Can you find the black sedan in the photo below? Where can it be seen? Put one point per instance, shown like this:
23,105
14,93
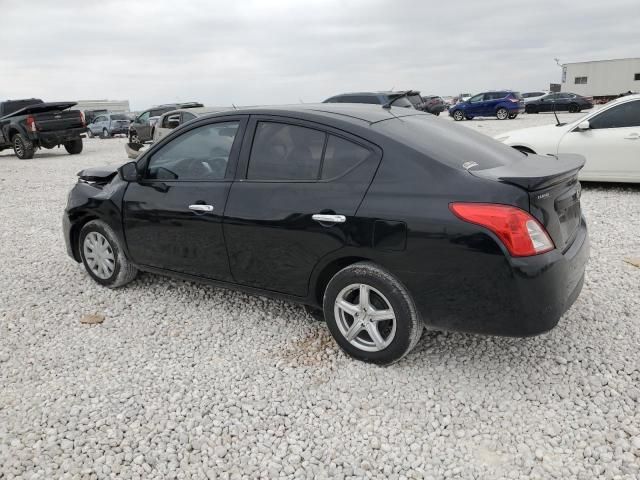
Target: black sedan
565,101
384,219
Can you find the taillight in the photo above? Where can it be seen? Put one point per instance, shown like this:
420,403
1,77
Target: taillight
84,123
31,124
514,100
518,230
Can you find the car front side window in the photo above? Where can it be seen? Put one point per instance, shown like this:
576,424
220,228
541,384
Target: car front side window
198,154
620,116
144,118
476,98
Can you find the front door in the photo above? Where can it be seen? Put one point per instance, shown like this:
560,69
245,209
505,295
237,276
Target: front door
611,146
299,188
475,106
173,216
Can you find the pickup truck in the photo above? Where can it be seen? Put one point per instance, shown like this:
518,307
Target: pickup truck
26,125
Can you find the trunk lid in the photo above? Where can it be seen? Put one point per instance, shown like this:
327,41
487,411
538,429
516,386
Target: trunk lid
54,120
553,188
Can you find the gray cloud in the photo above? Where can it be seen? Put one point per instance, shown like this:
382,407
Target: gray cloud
280,51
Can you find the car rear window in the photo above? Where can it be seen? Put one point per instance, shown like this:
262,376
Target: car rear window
400,101
119,117
341,156
15,105
415,100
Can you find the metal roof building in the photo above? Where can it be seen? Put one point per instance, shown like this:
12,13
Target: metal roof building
601,78
118,106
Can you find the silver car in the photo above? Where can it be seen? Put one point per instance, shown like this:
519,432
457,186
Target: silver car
108,124
170,120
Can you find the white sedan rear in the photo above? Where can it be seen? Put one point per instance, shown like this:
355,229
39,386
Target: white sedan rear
609,138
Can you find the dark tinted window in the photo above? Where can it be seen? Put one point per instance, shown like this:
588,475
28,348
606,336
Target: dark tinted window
636,76
372,99
477,98
15,105
625,115
199,154
340,156
400,102
118,116
285,152
415,100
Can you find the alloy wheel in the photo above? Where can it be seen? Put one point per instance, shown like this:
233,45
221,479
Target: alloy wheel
18,147
502,113
365,317
99,255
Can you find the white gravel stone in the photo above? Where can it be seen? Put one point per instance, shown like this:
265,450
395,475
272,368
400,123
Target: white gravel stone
192,381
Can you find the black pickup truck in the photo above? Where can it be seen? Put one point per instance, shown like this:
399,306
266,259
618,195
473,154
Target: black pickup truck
26,125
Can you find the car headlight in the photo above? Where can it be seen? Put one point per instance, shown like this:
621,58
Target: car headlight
502,139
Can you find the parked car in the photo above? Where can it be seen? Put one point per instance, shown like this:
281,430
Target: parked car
434,104
396,99
563,101
502,104
141,129
29,124
174,118
108,125
90,115
383,219
608,138
416,99
531,96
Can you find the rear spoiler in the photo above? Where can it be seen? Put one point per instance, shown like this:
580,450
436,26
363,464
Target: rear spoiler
534,172
41,107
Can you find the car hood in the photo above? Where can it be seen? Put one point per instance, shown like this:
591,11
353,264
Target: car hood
94,174
544,131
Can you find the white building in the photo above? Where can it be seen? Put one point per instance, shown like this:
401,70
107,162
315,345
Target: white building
117,106
601,78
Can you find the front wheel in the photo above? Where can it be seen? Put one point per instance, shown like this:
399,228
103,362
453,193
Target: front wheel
371,314
133,138
102,256
105,133
531,109
502,113
73,147
573,108
458,115
89,133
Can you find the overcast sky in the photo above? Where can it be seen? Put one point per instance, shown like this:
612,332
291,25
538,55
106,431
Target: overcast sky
286,51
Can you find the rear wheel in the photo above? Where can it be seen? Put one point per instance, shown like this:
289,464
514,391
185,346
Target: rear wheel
502,113
73,147
102,255
573,108
371,314
105,133
458,115
89,133
23,147
437,114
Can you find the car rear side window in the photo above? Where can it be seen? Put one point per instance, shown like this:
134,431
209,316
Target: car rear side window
620,116
341,156
285,152
198,154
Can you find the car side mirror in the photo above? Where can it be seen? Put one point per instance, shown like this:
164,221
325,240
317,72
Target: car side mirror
129,172
585,125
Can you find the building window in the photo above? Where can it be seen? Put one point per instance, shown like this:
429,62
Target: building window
636,76
581,81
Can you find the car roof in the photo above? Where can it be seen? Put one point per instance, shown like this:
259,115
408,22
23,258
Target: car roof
382,92
355,113
198,112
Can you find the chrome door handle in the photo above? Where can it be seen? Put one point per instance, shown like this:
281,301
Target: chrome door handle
326,218
201,208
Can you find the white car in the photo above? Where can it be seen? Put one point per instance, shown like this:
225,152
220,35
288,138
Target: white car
531,96
609,138
174,118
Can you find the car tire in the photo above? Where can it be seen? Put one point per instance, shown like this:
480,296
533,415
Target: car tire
502,113
73,147
133,138
457,115
531,109
348,314
437,114
108,266
512,116
573,108
105,133
89,133
23,147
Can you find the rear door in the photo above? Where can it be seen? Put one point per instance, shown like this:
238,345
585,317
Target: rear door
173,217
298,188
611,146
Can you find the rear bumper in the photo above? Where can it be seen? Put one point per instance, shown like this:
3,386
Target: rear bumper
57,137
516,297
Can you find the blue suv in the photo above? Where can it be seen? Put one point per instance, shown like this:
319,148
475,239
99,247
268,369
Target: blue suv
501,104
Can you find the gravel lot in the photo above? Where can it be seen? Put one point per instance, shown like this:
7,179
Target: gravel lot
189,381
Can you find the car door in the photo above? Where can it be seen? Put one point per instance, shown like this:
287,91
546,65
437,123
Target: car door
96,126
173,216
611,145
299,187
545,104
475,105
